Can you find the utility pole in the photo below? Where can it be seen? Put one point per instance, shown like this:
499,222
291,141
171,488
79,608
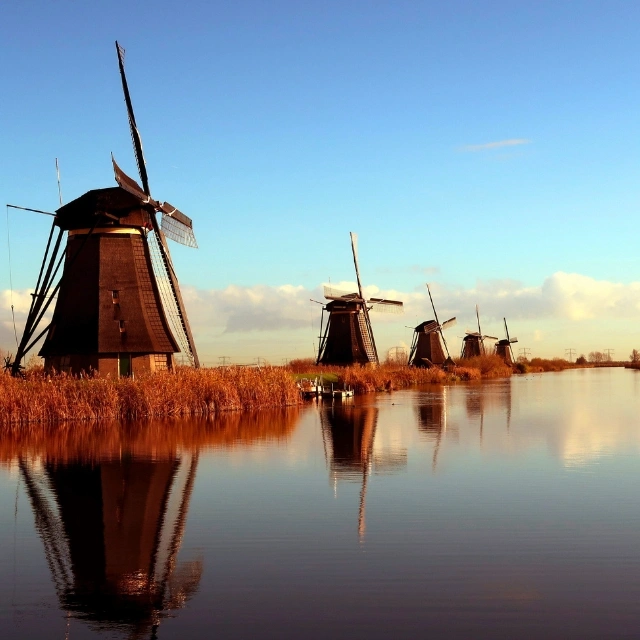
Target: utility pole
570,353
609,352
260,361
524,352
224,360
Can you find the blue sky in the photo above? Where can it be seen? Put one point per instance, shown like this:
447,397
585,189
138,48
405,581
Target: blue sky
476,145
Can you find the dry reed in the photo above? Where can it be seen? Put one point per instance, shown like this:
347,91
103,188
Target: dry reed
489,365
385,377
187,392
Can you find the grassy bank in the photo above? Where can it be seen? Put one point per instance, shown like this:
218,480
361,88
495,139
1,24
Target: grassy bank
204,392
187,392
386,377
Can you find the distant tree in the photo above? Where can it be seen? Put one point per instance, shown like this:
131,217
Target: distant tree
397,355
581,359
635,356
596,356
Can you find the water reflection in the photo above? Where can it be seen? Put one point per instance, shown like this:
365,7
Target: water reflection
111,505
529,528
432,420
111,534
349,432
488,398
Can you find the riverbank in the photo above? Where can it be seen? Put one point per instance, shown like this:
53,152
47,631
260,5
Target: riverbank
187,392
387,377
40,399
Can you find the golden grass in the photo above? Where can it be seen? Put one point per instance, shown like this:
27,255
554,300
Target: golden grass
187,392
489,365
385,377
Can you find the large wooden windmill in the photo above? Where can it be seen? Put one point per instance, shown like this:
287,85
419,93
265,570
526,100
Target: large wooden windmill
503,347
473,341
118,307
429,345
347,337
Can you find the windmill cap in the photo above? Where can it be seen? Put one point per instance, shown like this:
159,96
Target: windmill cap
114,201
424,325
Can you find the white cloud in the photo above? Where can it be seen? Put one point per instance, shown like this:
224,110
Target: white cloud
512,142
255,315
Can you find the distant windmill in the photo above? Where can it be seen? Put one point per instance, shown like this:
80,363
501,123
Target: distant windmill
429,345
348,337
473,342
503,347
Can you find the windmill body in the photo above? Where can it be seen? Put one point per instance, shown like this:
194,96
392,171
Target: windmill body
348,337
472,346
503,349
108,314
503,346
473,341
427,348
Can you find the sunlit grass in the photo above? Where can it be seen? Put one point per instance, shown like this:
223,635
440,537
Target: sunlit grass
187,392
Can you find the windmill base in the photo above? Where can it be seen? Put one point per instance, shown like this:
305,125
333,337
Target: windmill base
113,365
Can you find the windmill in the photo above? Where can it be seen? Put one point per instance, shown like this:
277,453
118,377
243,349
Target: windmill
348,337
429,345
503,347
473,341
118,307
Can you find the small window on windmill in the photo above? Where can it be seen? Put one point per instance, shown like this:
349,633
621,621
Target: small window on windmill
123,328
115,297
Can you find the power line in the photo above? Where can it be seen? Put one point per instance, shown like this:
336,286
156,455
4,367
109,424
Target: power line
524,352
570,353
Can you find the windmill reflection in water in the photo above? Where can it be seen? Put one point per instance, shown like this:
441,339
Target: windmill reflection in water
112,531
349,434
433,411
111,502
433,420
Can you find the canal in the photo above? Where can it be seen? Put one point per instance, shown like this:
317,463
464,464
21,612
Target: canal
507,508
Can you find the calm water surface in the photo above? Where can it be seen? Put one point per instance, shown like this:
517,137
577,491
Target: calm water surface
508,509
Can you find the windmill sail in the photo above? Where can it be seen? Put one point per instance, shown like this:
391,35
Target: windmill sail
337,294
365,321
135,134
386,306
176,226
163,267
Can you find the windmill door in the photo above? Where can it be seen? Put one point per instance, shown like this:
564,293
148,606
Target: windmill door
124,364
